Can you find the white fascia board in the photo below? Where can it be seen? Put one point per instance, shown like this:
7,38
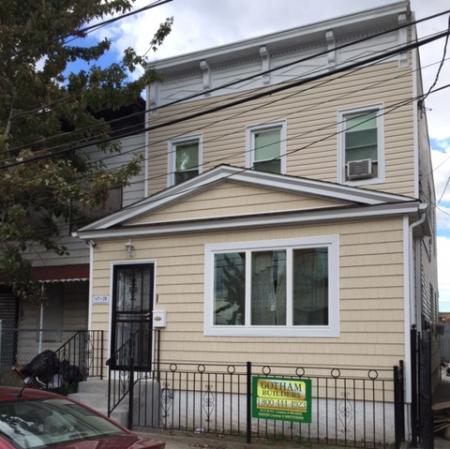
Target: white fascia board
268,180
286,35
254,221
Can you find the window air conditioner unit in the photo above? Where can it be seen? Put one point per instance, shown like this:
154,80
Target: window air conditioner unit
361,169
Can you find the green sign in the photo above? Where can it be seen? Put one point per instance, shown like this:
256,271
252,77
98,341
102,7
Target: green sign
281,398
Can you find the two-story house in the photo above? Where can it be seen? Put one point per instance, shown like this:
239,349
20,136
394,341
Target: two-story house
29,327
293,226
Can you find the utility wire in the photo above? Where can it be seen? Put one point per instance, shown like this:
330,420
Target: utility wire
248,78
273,120
87,30
444,53
102,24
266,92
384,112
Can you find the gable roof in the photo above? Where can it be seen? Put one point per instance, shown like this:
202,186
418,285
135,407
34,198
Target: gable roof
291,184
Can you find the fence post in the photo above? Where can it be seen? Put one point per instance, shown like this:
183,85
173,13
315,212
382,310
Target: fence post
131,387
401,373
414,421
101,355
249,402
396,401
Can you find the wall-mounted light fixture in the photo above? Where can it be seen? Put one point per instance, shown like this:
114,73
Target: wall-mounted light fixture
130,248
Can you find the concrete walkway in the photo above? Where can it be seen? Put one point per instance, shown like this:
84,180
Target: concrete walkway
189,441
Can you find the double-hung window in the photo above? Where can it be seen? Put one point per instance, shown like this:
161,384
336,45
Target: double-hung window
272,288
361,146
184,159
265,149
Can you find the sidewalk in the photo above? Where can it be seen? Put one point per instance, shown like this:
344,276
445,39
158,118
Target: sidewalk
189,441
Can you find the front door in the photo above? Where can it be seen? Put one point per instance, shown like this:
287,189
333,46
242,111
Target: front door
132,315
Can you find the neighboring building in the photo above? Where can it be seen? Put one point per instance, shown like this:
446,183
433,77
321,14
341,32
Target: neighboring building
295,229
65,279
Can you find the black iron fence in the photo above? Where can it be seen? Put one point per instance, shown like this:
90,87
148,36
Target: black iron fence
350,407
422,391
81,348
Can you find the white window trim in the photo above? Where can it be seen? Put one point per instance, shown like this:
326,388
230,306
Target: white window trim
331,330
250,143
171,148
341,145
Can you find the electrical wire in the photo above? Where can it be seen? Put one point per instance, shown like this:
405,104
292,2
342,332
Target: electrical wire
248,78
266,92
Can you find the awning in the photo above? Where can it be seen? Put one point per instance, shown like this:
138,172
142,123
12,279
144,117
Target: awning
62,273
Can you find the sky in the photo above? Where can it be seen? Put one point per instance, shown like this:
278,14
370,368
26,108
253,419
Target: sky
200,24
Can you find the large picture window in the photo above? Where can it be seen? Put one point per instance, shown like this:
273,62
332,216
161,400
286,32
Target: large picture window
269,288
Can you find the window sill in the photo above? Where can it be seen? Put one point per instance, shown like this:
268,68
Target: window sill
363,182
272,331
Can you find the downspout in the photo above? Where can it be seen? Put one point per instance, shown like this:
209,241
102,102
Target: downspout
410,303
412,285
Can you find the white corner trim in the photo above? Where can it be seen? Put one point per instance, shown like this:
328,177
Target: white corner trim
91,283
407,261
415,123
340,166
331,330
250,142
171,157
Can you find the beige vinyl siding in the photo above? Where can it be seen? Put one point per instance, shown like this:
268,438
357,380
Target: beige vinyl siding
371,296
311,113
230,199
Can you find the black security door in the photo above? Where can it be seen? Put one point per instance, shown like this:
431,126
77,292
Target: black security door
132,315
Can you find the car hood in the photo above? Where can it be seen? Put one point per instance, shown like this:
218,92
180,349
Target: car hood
119,441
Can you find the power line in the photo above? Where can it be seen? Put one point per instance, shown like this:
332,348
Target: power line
87,30
384,112
165,154
444,53
97,26
248,78
265,93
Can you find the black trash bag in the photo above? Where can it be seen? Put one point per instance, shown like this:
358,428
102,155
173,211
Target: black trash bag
71,374
43,367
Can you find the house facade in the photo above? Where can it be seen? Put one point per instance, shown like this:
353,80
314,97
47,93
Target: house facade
295,227
27,328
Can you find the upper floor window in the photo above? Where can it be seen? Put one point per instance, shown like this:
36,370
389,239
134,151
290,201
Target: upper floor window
184,160
272,288
266,147
360,146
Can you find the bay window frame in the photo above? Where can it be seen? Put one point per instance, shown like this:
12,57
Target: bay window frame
332,329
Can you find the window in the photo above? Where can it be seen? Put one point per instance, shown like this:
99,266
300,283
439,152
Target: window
361,146
266,147
272,288
184,160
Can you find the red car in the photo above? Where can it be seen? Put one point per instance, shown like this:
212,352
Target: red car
34,419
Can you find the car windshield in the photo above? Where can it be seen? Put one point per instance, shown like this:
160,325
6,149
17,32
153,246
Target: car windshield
38,423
